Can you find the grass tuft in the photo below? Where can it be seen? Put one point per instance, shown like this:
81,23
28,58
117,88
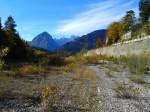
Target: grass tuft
125,92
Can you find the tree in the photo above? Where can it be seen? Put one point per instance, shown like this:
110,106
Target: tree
128,21
10,25
144,7
114,32
18,48
98,43
0,32
0,24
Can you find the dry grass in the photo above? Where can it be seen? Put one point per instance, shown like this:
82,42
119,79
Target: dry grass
137,64
4,85
137,79
30,70
3,76
68,68
84,73
125,92
93,59
48,91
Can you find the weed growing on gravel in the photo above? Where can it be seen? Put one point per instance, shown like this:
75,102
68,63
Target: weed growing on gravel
68,68
109,73
137,79
123,91
48,91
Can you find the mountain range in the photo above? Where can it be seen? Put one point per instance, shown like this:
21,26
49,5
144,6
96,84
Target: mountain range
64,40
85,42
73,44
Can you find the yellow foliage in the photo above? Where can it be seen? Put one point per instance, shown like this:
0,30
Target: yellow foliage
114,32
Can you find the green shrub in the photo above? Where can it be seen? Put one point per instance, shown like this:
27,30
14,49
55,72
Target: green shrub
56,60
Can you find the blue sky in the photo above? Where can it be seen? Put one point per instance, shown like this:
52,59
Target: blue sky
64,17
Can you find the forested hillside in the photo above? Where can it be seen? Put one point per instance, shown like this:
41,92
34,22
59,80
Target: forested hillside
10,38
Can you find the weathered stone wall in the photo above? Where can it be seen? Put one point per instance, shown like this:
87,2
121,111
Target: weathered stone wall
136,46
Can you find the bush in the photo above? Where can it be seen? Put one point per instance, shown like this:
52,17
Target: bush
56,60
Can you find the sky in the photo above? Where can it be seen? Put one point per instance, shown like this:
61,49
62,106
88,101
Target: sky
64,17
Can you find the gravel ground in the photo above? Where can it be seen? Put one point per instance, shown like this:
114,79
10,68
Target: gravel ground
108,97
83,95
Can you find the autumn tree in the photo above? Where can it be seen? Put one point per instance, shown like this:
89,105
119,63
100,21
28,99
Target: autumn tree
98,43
114,32
144,7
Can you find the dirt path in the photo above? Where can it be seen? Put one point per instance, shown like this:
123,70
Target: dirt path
108,97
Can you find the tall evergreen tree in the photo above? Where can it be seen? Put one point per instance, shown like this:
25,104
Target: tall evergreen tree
0,33
129,20
18,49
10,25
144,7
0,24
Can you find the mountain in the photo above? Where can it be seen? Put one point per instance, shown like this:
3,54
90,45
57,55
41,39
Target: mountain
64,40
44,41
85,42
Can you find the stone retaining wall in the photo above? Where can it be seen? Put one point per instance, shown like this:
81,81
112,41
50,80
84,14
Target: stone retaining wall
131,47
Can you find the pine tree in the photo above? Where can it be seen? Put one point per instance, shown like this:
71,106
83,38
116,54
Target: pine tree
144,7
10,25
0,24
129,20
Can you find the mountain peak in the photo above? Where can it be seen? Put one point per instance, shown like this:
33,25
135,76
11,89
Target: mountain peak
45,41
45,33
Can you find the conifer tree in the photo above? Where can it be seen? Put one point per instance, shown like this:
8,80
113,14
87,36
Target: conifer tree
0,24
10,25
129,21
144,7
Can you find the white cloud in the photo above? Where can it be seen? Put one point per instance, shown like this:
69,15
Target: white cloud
97,16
